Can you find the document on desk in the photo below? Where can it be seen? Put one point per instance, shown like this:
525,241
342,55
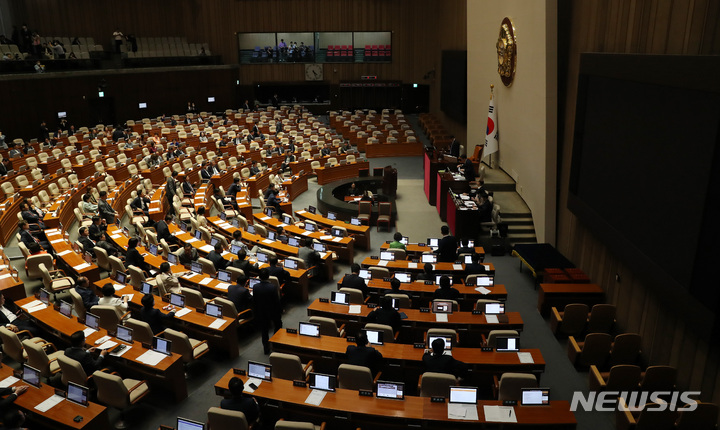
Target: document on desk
306,233
205,281
182,312
500,414
88,331
49,403
81,266
117,236
491,319
67,251
151,358
264,218
337,239
7,275
39,307
268,241
316,397
412,265
254,381
56,241
129,296
222,286
32,304
462,412
118,287
191,240
283,225
219,322
441,318
325,237
301,211
8,381
482,290
108,344
206,248
457,266
354,309
525,357
383,263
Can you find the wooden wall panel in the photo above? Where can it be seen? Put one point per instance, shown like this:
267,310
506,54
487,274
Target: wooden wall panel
686,27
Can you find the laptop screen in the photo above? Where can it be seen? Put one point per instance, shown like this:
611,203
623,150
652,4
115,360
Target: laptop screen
44,296
365,274
535,396
224,275
92,321
309,226
235,223
471,243
162,345
124,333
312,209
320,381
494,308
447,339
507,343
31,375
290,264
213,310
196,267
319,247
355,221
294,241
390,390
146,288
339,298
332,216
172,258
269,212
214,241
468,259
387,255
186,424
120,277
66,309
338,232
429,258
405,241
183,227
287,219
235,249
153,249
177,300
433,242
223,216
251,229
253,282
485,281
467,395
403,277
271,235
198,234
375,337
442,307
76,393
259,370
262,257
309,329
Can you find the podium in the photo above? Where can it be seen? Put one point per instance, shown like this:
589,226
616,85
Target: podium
389,181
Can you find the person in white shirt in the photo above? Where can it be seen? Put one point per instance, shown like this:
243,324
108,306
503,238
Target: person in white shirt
12,322
168,279
108,298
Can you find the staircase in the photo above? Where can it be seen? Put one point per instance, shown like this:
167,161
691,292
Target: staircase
513,210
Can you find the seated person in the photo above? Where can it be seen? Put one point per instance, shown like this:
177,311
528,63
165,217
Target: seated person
239,294
216,257
239,402
27,238
155,319
88,206
162,228
133,256
352,191
10,320
98,227
243,263
85,241
82,287
436,361
78,353
476,268
109,299
364,355
107,246
9,394
385,314
446,291
141,203
465,247
187,254
353,280
395,287
396,244
308,254
32,215
428,274
168,279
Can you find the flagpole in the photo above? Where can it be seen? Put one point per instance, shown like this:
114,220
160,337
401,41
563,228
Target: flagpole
492,88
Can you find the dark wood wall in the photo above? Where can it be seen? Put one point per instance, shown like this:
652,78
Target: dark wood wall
686,27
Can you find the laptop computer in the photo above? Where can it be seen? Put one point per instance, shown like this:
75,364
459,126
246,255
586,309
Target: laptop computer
403,277
442,307
494,308
235,223
186,424
213,310
269,212
287,219
124,333
463,395
44,296
198,234
214,241
294,241
78,394
177,300
332,216
507,343
196,267
146,288
390,390
120,277
468,259
319,247
375,337
153,249
92,321
535,396
224,275
309,329
321,381
252,283
172,258
259,370
387,255
66,309
339,298
312,209
337,232
355,221
310,226
251,229
290,264
31,375
162,345
365,274
433,242
234,249
272,235
262,257
428,258
405,240
448,343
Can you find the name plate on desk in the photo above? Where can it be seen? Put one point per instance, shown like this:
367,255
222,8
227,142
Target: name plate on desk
350,339
374,257
322,300
366,393
386,279
486,349
429,283
291,330
477,312
419,345
371,305
437,399
422,244
237,371
299,384
509,402
424,310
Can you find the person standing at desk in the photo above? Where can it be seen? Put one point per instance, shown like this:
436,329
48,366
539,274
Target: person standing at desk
104,209
353,280
436,361
467,168
171,190
267,307
363,355
385,314
447,246
78,353
239,402
446,291
282,275
465,247
243,263
352,191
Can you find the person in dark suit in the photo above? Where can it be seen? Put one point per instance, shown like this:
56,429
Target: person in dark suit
97,228
394,287
282,275
267,307
436,361
234,188
467,168
353,280
107,246
104,209
447,246
155,319
239,402
475,268
243,263
239,294
27,238
163,230
9,394
78,353
82,287
246,106
187,186
11,321
465,247
428,274
325,151
455,148
31,215
187,255
133,256
171,190
141,203
205,173
446,291
216,257
364,355
385,314
85,241
484,208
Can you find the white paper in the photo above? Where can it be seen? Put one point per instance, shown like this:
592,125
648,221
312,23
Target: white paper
457,266
383,263
8,381
412,265
441,318
268,241
337,239
151,357
118,287
81,266
39,307
205,281
482,290
88,331
32,304
500,414
108,344
254,381
283,225
49,403
67,251
7,275
129,296
264,218
222,286
219,322
458,411
525,357
306,233
56,241
325,237
316,397
301,211
206,248
487,267
491,319
115,236
354,309
191,240
183,311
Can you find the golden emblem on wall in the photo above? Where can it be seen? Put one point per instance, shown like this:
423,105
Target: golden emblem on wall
507,52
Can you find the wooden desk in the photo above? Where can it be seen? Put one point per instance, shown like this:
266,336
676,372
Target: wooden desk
409,149
11,286
60,416
464,222
416,249
325,175
296,185
408,266
73,262
297,166
468,326
167,376
346,408
361,233
8,218
559,295
446,181
50,166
